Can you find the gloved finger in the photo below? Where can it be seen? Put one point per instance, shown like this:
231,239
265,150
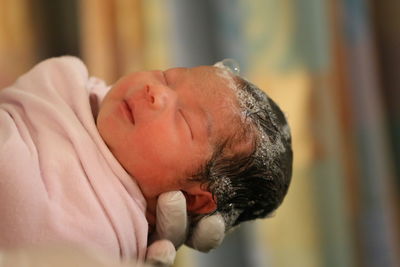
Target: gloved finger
171,222
161,253
207,234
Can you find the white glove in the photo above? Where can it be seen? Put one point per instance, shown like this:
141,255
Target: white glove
171,218
172,230
161,253
208,233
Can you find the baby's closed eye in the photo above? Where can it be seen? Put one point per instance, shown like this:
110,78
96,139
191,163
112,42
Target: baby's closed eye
182,114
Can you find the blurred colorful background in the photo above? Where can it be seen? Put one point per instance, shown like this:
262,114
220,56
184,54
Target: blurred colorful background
332,65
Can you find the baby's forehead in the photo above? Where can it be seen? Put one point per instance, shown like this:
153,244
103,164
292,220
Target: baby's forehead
218,79
214,87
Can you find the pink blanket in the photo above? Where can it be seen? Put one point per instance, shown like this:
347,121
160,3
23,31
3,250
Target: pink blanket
58,180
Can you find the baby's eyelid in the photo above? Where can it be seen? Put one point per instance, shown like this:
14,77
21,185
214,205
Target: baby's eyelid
187,123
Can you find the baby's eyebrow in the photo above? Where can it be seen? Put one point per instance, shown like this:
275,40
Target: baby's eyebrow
209,126
209,122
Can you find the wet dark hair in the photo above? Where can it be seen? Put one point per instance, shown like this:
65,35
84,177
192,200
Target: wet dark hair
248,186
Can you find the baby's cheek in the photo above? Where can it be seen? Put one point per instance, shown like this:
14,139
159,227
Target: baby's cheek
106,125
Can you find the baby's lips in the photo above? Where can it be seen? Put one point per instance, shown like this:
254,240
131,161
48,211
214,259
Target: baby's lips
129,109
132,110
128,112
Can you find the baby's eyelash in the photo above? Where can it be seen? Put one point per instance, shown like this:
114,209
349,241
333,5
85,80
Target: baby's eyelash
187,123
165,78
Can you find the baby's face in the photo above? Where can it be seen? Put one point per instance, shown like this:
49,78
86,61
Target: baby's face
162,125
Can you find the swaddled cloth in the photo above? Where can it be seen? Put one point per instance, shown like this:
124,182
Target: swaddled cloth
58,180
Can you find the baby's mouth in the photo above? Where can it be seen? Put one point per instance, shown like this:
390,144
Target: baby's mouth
128,111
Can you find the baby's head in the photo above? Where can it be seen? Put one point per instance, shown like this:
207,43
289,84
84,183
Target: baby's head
204,131
252,184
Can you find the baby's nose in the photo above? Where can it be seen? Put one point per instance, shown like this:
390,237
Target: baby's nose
158,96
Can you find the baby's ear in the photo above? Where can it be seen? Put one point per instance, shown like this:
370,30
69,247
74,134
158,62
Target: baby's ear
199,200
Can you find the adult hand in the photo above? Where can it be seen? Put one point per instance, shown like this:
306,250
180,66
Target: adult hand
172,230
207,234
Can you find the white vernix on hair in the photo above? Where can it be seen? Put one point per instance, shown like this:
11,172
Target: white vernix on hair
251,101
251,105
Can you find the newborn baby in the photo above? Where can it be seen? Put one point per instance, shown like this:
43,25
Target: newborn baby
90,172
204,131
